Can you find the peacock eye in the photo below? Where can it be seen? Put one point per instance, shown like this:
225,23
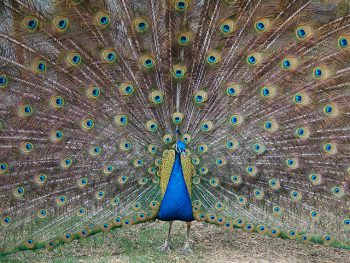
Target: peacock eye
254,59
343,42
57,102
31,23
213,58
3,81
181,5
177,117
147,61
179,71
60,23
73,59
151,126
93,92
109,55
227,26
262,25
87,124
102,20
303,32
141,24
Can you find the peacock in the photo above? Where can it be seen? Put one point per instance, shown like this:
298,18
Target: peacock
119,112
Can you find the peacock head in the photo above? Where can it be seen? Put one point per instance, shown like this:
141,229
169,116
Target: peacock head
180,146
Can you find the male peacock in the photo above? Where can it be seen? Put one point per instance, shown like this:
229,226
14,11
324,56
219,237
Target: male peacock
116,112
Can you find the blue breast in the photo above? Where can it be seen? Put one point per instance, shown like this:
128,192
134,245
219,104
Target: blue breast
176,204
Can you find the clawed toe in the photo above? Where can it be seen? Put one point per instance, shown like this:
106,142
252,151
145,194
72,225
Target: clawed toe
165,247
186,250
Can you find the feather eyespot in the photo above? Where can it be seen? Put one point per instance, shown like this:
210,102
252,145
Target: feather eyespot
220,161
302,133
320,73
181,5
262,229
19,192
268,92
338,192
301,98
56,136
242,201
102,20
61,200
87,124
330,148
343,42
156,97
259,148
274,184
6,221
57,102
232,144
60,23
233,89
315,179
29,243
179,71
206,126
108,169
121,119
331,110
42,213
125,145
288,63
126,88
82,182
254,59
31,23
251,170
262,25
202,148
3,168
167,138
147,62
109,56
95,151
213,58
66,163
100,195
151,125
184,38
177,117
141,24
227,27
200,97
236,180
39,67
93,92
236,120
3,81
27,147
186,138
73,59
303,33
292,163
40,179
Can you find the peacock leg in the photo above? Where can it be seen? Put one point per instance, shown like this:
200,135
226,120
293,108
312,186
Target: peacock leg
166,246
187,248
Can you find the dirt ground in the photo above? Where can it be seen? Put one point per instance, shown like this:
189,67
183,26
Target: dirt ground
209,244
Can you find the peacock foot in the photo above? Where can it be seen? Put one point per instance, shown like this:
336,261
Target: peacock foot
165,247
186,249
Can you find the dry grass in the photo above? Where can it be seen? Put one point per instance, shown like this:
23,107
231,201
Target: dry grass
210,244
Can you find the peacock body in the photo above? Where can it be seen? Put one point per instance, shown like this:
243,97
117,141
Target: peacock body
231,112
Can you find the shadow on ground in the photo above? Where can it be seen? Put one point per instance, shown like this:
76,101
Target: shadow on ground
209,243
